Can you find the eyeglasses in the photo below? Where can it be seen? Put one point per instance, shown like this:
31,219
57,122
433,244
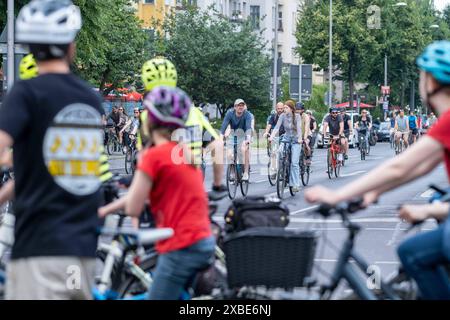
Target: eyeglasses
334,113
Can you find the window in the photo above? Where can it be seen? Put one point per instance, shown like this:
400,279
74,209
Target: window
254,16
149,1
184,3
280,20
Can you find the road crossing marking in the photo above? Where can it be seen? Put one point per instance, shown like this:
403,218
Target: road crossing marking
427,194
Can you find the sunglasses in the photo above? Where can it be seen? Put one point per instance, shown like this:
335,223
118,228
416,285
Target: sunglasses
334,112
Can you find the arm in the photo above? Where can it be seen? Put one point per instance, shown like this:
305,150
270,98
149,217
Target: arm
277,127
307,127
225,123
416,161
324,129
112,207
138,194
415,213
6,142
299,127
341,128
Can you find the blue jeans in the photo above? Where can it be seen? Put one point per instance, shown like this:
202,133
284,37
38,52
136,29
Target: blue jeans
424,257
294,178
176,270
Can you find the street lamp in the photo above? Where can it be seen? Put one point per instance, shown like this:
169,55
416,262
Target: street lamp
330,58
275,56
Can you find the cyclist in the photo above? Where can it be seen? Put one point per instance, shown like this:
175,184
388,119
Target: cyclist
161,71
130,128
424,254
240,122
306,124
176,195
347,130
363,127
401,128
292,123
431,120
123,119
313,130
274,145
413,125
335,122
392,129
52,121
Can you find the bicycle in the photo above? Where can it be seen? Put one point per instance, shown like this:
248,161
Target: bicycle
363,145
112,144
131,156
334,158
284,170
345,269
400,145
138,268
305,165
235,172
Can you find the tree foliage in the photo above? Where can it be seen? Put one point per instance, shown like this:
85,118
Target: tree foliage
359,50
217,61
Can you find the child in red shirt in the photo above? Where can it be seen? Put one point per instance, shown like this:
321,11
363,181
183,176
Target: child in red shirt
176,194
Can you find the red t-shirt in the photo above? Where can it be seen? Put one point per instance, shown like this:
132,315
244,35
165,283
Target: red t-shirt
177,198
441,133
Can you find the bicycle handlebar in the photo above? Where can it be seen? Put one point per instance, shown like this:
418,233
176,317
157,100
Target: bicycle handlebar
342,208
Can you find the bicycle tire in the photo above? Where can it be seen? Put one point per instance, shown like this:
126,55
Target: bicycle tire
337,170
232,185
305,175
329,165
243,184
132,282
134,161
128,162
271,181
281,180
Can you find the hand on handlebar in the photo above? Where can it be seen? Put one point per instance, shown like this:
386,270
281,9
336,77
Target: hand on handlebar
414,213
320,194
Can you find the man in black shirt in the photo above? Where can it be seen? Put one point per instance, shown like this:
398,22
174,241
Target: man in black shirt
335,122
54,123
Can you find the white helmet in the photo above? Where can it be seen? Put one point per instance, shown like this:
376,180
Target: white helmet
48,22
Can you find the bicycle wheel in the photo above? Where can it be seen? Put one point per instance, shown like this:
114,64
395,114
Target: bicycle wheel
232,181
131,285
110,146
128,162
134,161
337,170
305,175
329,164
368,150
281,180
244,184
272,180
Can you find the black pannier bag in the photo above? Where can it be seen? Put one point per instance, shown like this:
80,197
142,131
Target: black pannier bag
253,212
270,257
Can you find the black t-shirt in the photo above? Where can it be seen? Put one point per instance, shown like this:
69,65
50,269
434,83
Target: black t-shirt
363,125
115,117
346,119
334,124
273,120
55,121
311,123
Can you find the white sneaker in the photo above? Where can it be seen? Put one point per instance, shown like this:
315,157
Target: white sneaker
245,176
295,189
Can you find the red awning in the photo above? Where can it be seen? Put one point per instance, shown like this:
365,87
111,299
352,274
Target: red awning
133,96
347,105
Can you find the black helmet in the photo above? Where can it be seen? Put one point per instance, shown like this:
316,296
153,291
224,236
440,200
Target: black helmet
299,106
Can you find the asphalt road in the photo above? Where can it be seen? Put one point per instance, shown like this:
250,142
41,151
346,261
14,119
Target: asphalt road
381,231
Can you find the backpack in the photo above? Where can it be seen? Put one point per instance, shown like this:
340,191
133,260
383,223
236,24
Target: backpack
255,212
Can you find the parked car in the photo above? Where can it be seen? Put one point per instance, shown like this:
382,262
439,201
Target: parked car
384,131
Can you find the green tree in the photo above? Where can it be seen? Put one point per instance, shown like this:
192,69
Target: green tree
317,101
352,40
111,44
217,61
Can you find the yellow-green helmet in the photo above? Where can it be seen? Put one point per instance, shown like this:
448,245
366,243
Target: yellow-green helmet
159,72
28,68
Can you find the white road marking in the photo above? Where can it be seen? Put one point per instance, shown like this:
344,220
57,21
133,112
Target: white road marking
361,220
304,210
352,174
376,262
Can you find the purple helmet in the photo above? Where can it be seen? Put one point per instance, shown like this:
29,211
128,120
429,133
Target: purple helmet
168,106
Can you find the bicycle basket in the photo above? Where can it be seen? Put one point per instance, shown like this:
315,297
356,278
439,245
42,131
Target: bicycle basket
270,257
